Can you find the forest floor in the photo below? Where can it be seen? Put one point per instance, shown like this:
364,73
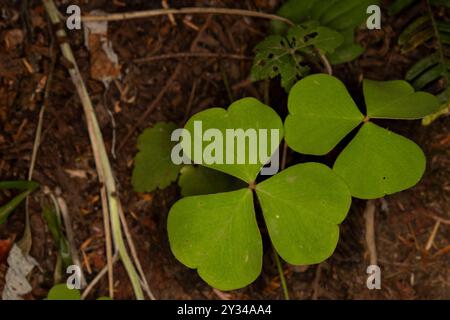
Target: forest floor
404,222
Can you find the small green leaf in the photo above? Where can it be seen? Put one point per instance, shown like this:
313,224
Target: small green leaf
56,229
244,114
296,11
312,34
62,292
218,235
397,100
153,167
198,180
321,113
378,162
8,208
421,66
273,58
302,207
343,16
284,56
347,51
19,185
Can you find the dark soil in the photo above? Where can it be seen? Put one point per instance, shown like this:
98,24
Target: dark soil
404,221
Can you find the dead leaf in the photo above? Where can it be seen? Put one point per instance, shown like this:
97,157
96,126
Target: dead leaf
5,246
20,266
105,65
12,38
75,173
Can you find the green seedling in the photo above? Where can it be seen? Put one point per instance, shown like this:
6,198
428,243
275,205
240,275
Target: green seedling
218,234
342,16
303,205
287,56
52,216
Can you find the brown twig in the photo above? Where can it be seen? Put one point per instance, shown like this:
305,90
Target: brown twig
194,10
190,101
326,63
432,236
98,277
316,284
369,216
165,5
185,55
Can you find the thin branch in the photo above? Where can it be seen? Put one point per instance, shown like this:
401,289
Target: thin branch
108,240
184,55
194,10
98,277
102,163
316,283
326,63
432,236
369,216
135,255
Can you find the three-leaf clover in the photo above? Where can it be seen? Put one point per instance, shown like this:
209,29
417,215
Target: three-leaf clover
285,55
377,161
218,234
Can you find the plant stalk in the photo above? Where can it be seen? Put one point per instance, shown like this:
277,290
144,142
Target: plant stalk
100,155
281,273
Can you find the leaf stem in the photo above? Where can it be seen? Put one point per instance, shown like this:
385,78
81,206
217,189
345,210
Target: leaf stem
281,273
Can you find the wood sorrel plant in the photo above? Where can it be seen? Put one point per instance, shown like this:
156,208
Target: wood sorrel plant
302,206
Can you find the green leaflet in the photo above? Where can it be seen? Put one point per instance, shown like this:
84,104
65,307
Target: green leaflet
244,114
218,235
54,224
153,167
302,207
8,208
284,56
317,122
397,100
62,292
378,162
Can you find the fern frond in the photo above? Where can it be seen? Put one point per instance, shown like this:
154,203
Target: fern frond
431,30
